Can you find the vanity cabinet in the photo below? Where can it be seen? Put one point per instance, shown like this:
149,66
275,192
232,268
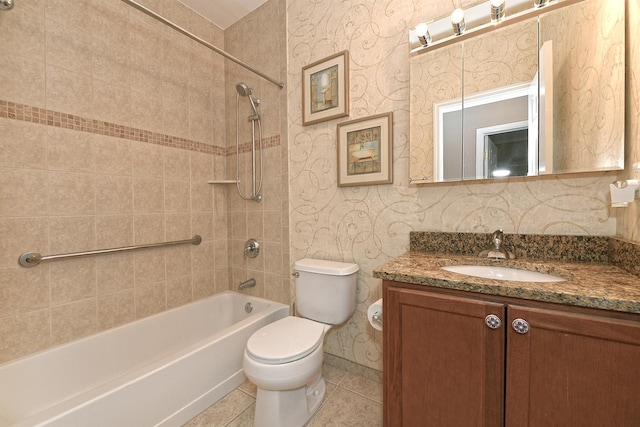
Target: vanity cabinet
454,358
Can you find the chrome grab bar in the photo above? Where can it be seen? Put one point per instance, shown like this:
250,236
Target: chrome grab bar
31,259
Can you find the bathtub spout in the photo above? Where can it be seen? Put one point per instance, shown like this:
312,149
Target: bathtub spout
247,284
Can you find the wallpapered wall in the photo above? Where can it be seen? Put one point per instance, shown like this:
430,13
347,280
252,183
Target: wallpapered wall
369,225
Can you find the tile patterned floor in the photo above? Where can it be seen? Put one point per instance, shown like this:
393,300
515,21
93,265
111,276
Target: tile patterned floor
351,400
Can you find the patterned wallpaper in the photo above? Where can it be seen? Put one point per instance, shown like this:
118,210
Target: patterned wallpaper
369,225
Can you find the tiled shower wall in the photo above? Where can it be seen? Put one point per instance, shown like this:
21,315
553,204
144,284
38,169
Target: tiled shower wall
110,126
259,38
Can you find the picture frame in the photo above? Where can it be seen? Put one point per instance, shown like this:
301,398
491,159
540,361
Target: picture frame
365,151
325,89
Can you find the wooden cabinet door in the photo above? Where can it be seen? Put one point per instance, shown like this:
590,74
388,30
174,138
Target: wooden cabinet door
572,369
443,366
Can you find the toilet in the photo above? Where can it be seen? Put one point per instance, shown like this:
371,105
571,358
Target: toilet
284,358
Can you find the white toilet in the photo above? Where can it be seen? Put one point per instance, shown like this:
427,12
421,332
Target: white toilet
284,358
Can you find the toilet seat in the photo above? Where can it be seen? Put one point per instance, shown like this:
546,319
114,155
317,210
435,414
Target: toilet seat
285,340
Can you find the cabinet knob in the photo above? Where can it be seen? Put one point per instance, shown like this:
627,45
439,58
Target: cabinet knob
520,326
492,321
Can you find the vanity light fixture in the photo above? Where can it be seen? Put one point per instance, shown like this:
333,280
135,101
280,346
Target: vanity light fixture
457,22
497,10
422,32
481,18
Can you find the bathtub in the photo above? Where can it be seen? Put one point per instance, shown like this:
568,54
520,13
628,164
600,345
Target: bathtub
158,371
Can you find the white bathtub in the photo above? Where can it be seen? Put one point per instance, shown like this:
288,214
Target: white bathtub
162,370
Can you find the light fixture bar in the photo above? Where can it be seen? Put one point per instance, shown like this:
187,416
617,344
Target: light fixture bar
477,21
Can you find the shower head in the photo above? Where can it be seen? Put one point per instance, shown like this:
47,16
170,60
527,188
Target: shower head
243,89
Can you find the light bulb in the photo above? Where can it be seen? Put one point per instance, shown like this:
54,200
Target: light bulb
457,22
422,32
497,10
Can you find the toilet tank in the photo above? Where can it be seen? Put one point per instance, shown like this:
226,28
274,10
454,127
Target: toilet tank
325,290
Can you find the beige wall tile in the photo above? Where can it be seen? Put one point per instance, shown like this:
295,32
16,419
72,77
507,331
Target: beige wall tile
78,16
176,164
272,257
178,260
23,31
23,80
239,225
203,257
72,280
116,309
201,167
35,324
148,160
71,234
177,196
113,155
71,194
201,197
222,280
150,298
69,92
148,196
175,111
22,144
179,291
68,46
146,110
255,225
73,321
115,272
221,253
203,285
111,62
21,235
70,151
202,224
111,102
114,195
273,232
114,231
178,226
23,290
22,192
150,266
148,228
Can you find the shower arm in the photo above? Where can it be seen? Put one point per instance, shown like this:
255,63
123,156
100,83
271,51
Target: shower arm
216,49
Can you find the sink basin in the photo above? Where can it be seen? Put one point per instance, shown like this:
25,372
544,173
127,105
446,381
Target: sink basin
502,273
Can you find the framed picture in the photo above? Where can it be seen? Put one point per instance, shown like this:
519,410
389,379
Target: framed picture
325,93
365,151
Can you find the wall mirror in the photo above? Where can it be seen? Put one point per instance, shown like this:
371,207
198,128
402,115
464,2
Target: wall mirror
541,96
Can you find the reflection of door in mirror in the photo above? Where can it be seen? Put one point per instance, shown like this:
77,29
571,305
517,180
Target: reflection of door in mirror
502,65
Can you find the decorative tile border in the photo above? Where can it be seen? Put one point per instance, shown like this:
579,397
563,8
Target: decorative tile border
43,116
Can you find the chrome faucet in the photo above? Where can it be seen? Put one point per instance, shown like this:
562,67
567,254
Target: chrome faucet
247,284
498,249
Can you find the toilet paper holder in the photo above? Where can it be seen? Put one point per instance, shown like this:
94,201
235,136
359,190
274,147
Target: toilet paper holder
377,317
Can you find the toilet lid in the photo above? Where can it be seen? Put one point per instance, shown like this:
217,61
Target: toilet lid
285,340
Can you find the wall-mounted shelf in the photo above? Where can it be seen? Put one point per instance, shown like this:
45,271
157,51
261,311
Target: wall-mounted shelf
222,181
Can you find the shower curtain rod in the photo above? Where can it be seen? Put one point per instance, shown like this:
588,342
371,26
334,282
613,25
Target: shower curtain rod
199,40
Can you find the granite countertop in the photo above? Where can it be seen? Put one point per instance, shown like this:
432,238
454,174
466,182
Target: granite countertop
594,285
